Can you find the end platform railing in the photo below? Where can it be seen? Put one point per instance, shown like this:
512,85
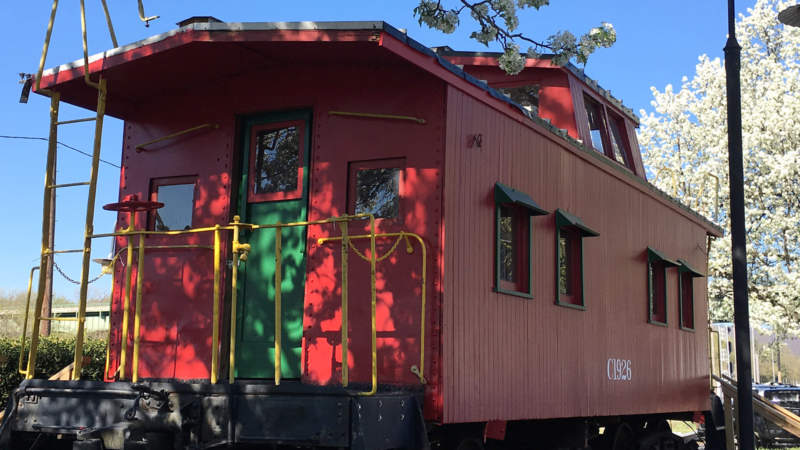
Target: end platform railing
136,246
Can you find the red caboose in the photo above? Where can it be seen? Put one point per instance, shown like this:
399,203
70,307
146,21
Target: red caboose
332,235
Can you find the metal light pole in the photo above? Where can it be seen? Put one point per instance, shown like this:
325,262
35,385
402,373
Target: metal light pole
790,16
741,314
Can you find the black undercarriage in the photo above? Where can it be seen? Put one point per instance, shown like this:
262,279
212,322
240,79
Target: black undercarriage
156,415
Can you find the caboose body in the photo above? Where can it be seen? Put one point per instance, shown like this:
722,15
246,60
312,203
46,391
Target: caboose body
434,250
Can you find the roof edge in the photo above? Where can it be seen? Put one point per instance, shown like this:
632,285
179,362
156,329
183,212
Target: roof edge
575,71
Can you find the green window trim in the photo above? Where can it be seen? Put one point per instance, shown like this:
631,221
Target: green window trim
567,220
504,195
685,268
655,256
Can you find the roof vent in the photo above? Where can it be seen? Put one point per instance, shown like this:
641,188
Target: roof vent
198,19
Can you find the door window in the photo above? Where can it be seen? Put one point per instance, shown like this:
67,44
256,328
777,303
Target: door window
276,162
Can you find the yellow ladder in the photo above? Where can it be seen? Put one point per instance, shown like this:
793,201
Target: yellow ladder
50,189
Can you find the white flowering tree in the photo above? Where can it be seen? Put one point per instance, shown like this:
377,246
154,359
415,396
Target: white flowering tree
685,146
497,22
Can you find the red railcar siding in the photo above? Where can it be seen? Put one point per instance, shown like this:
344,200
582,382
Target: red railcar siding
555,98
510,358
184,312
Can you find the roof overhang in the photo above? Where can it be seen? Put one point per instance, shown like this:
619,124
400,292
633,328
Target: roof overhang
205,52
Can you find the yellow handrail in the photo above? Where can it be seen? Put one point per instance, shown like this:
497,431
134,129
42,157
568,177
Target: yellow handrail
46,47
110,25
48,193
215,314
237,248
144,18
419,371
137,314
25,323
345,332
126,301
377,116
141,147
278,269
239,253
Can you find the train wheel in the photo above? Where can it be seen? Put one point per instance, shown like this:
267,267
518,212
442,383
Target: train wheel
624,437
470,443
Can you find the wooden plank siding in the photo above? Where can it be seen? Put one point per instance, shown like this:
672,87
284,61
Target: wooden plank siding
506,357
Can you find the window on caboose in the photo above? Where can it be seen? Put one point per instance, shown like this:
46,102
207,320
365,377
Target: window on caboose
597,123
686,276
276,162
619,142
607,133
657,265
513,211
177,194
570,231
375,187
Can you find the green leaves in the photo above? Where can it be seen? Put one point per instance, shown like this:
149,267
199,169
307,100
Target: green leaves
53,355
498,21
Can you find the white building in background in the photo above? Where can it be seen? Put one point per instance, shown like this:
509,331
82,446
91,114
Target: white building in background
97,319
725,335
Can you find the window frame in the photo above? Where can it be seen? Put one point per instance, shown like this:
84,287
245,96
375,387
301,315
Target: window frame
156,183
577,231
523,208
605,141
686,271
655,256
385,163
606,116
297,193
625,146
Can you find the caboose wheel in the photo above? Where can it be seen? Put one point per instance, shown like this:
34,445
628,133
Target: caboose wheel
623,437
470,443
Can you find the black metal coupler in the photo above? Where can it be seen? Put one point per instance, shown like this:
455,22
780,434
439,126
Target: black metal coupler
175,415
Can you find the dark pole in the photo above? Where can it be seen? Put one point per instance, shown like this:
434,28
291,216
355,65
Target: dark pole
741,311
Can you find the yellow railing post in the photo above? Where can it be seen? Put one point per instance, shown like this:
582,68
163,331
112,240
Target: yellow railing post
25,322
137,310
344,225
235,247
111,269
89,230
126,296
110,25
215,315
46,46
418,370
278,267
373,259
421,372
55,98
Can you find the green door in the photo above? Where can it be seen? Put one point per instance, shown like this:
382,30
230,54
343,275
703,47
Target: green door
274,189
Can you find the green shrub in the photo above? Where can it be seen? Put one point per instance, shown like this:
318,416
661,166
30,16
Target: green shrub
54,354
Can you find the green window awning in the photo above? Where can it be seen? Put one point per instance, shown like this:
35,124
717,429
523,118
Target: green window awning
564,218
505,194
683,266
654,255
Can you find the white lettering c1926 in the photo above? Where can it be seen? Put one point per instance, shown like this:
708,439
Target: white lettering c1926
618,369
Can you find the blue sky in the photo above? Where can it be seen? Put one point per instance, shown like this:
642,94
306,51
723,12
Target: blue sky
657,44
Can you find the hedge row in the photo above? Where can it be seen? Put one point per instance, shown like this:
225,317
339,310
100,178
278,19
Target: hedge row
54,354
